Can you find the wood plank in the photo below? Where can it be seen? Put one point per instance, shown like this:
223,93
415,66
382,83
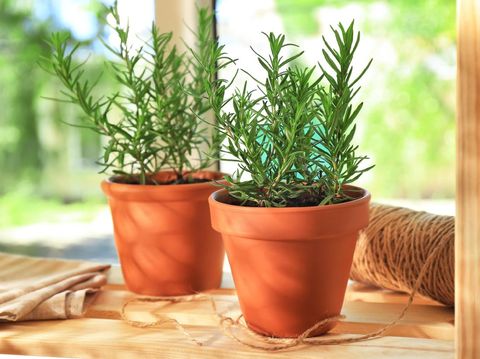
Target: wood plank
467,241
366,293
103,338
421,321
115,278
355,291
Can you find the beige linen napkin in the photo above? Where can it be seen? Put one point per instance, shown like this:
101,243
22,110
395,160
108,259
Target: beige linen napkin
40,288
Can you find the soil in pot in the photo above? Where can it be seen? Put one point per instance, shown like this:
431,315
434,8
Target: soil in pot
163,235
290,265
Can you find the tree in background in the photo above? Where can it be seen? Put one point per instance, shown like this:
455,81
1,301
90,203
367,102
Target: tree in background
35,151
408,125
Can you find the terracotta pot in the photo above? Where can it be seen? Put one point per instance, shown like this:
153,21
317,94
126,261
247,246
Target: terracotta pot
163,236
290,265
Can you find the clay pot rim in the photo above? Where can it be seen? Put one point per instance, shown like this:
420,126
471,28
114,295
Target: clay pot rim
150,193
235,208
217,176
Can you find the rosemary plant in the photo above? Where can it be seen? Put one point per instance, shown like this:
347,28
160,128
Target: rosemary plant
161,103
292,135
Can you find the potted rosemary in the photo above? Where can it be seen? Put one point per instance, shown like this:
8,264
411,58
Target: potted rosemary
154,149
291,222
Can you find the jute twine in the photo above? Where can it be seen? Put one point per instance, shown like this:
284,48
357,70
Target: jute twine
231,326
392,251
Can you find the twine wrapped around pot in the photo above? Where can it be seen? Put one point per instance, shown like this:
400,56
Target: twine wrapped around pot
392,251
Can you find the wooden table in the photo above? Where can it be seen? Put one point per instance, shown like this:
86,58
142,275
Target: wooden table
426,332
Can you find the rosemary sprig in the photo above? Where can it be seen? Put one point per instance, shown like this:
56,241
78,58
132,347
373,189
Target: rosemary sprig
162,102
292,135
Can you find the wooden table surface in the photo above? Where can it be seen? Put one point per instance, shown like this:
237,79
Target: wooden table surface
426,332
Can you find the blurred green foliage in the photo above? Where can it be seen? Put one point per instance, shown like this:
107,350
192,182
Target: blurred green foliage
408,118
20,208
37,151
47,169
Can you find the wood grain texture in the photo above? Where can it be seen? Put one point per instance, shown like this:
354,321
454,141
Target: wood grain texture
467,246
103,335
103,338
363,314
363,292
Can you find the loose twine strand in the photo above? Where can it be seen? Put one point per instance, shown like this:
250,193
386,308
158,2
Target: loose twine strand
271,344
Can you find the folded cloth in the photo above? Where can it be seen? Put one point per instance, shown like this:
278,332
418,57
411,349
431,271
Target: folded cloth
40,288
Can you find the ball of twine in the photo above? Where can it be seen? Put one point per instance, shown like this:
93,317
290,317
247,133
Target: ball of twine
391,252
